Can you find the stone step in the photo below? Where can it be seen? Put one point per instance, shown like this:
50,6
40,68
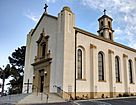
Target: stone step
34,98
12,98
55,98
31,98
41,98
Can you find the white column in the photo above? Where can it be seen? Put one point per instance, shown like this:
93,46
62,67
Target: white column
93,75
126,76
111,72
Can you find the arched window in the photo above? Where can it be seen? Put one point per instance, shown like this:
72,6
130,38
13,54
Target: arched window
79,64
130,71
117,69
100,66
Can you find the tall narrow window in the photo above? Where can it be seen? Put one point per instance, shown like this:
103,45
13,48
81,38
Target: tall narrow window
101,23
110,36
130,71
79,64
102,34
100,66
109,24
117,69
43,49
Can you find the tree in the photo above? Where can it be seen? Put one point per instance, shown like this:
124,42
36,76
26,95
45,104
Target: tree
4,74
17,60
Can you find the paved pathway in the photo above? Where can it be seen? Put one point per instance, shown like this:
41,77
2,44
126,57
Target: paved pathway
123,101
61,103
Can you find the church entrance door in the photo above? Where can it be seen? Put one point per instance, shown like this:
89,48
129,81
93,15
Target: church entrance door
42,84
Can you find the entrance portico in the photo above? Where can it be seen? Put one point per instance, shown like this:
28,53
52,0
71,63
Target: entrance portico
41,77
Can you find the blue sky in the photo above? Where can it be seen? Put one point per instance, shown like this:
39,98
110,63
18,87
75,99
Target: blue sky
17,17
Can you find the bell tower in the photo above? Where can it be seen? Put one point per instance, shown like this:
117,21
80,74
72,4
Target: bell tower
105,27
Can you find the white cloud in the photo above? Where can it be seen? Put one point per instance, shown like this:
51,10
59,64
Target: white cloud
118,31
50,1
32,16
124,14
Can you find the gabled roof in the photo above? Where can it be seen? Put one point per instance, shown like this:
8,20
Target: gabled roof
44,14
103,39
105,16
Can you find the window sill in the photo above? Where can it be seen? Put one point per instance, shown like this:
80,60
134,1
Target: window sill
81,79
101,80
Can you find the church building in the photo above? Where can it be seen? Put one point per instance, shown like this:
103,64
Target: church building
69,61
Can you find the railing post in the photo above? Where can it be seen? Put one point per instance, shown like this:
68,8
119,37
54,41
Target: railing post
41,96
35,87
47,98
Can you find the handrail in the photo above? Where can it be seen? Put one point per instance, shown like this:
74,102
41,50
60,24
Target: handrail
26,90
4,93
71,98
35,87
47,96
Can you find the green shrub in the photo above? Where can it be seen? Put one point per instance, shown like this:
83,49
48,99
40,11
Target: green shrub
132,94
120,95
125,95
102,96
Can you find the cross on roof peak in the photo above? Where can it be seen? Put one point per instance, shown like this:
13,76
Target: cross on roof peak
45,7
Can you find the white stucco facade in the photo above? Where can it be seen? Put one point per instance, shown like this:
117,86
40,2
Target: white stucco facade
64,38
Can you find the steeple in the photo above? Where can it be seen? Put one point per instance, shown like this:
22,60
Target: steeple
105,27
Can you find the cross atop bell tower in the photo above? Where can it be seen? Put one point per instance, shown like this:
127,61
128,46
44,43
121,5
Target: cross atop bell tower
104,11
105,26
